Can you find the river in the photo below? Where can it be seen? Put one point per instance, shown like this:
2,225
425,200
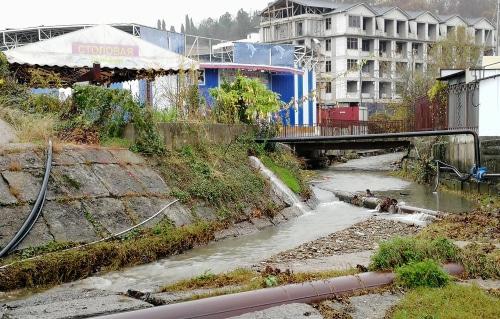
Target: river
329,216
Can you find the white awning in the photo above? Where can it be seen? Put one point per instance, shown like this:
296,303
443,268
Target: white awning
102,44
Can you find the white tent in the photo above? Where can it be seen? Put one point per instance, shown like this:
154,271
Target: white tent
104,45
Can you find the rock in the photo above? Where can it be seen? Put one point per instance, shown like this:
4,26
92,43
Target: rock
143,208
108,212
117,180
205,212
261,223
94,155
38,236
126,157
150,180
25,184
6,198
68,223
11,221
245,228
78,181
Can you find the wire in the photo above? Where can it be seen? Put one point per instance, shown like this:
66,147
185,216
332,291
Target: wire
101,240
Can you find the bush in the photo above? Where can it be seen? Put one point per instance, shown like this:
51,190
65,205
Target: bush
402,251
422,274
107,111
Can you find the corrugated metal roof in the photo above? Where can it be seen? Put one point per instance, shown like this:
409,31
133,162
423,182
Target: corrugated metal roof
103,44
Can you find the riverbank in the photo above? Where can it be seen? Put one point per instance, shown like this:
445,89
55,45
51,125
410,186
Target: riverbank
329,222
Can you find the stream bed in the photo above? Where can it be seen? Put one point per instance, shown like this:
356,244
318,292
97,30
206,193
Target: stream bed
328,216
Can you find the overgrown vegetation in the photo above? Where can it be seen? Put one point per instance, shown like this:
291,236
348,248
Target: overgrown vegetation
450,302
245,279
65,266
399,252
426,273
219,175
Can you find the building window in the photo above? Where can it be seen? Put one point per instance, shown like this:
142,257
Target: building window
328,87
352,65
328,66
365,45
354,22
328,45
301,42
300,30
328,23
352,43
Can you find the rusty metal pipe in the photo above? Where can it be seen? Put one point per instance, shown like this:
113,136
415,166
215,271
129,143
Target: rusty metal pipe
251,301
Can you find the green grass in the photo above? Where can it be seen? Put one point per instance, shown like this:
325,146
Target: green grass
402,251
450,302
422,274
284,174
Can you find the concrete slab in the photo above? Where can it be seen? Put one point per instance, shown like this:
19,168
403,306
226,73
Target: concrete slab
72,304
117,180
152,181
12,219
27,185
68,223
74,182
127,157
109,212
6,198
284,312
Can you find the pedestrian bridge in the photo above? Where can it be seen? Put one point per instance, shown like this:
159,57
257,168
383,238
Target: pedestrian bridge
359,135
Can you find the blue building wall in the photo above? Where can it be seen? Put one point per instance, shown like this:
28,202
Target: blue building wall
211,81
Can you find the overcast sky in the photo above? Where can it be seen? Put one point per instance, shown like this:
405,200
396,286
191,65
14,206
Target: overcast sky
29,13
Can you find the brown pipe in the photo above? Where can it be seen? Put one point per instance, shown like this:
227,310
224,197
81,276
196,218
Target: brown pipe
251,301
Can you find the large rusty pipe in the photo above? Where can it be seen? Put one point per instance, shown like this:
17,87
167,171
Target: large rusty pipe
245,302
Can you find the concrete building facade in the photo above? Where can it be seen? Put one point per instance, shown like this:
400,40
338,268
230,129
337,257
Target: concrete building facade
364,49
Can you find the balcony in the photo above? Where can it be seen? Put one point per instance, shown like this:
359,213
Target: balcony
352,95
357,31
368,95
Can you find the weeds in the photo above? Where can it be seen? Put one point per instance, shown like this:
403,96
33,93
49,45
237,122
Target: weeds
15,166
402,251
422,274
246,279
450,302
59,267
30,127
220,176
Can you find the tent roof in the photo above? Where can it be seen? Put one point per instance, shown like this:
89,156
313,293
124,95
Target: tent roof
104,45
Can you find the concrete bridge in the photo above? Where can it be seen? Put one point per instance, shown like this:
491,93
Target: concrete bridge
312,141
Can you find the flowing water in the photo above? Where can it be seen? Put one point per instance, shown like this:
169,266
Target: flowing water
327,217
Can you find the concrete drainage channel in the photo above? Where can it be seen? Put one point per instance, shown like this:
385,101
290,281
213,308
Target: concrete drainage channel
246,302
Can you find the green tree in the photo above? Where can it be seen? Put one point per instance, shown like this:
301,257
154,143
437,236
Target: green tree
244,100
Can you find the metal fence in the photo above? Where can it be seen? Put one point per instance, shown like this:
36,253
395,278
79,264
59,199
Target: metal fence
352,128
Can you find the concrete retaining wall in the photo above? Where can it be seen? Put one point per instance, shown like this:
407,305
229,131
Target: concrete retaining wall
459,152
96,192
177,135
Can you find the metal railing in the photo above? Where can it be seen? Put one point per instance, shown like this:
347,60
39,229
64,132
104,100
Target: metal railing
351,128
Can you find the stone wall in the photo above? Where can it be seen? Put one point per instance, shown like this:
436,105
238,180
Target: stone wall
96,192
177,135
92,193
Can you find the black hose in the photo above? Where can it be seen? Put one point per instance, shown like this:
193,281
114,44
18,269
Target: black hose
35,212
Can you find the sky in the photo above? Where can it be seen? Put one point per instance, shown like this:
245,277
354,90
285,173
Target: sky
26,13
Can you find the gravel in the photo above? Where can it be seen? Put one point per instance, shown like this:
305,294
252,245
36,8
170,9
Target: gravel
361,237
